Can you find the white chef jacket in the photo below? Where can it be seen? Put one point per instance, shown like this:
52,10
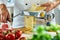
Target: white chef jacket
20,5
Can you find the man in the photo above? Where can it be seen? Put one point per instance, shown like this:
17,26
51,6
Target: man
21,5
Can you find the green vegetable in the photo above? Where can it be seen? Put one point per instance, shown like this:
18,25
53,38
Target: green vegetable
42,35
47,37
54,27
57,37
47,28
40,29
34,37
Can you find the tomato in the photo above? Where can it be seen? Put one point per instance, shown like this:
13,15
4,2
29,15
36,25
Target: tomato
18,34
1,37
10,37
4,26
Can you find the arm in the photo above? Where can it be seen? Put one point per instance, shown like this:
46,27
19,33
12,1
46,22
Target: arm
51,5
56,3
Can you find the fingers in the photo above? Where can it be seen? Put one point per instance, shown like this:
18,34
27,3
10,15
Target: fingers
50,7
3,19
46,4
8,17
9,20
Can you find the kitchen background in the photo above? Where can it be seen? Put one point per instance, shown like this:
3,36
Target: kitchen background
10,6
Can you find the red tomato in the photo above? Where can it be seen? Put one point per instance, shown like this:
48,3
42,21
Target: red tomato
22,38
18,34
10,37
1,37
0,30
5,27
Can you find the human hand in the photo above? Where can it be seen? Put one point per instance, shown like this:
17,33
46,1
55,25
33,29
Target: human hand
49,6
4,14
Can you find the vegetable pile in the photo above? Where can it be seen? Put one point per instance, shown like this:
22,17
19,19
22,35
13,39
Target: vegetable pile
10,34
41,33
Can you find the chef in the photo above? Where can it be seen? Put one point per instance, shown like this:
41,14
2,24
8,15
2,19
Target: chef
21,5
